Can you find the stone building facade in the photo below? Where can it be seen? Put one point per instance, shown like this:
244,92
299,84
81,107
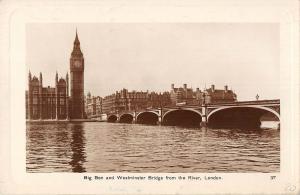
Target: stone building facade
47,102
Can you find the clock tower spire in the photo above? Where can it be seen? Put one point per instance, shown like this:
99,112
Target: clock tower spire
76,47
77,81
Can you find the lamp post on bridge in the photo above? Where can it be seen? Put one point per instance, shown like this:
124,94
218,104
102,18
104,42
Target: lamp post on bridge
257,97
203,122
134,115
203,99
118,117
159,122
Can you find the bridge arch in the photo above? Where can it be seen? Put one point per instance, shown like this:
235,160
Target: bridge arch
126,118
147,111
187,109
182,117
240,115
112,118
147,117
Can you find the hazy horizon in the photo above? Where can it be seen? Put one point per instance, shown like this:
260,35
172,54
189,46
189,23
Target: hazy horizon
152,56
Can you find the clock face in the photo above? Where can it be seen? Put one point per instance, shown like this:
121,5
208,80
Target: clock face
77,64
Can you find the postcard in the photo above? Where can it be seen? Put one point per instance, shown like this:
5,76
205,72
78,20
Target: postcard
150,97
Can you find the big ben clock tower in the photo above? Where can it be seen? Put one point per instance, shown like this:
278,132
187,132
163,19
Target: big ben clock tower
77,81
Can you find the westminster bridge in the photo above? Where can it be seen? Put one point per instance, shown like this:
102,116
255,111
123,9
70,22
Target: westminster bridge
234,114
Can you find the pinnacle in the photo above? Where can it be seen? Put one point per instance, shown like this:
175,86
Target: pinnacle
76,37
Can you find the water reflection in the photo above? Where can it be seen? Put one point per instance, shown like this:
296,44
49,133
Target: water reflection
77,146
115,147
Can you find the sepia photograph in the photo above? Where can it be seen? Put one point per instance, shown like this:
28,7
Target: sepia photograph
144,97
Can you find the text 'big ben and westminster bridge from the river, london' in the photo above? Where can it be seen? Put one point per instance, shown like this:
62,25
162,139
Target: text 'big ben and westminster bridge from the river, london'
179,106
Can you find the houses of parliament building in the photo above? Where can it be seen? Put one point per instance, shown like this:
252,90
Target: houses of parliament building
55,103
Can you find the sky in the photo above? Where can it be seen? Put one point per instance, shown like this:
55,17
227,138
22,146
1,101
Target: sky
152,56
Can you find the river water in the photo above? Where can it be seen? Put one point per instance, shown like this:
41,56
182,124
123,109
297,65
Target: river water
116,147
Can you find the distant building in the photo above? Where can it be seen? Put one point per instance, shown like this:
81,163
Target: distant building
90,106
93,106
225,95
124,100
98,106
109,104
182,95
185,95
46,102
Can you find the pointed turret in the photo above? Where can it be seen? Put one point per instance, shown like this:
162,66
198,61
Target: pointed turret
76,38
40,95
29,108
29,76
76,47
67,98
41,79
56,78
67,83
56,96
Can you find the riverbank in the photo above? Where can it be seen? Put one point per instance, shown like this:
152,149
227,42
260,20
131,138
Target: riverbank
61,121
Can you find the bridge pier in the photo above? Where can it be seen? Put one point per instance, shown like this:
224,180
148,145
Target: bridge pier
134,118
159,121
203,122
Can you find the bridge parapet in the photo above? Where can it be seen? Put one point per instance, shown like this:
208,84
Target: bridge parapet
257,102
